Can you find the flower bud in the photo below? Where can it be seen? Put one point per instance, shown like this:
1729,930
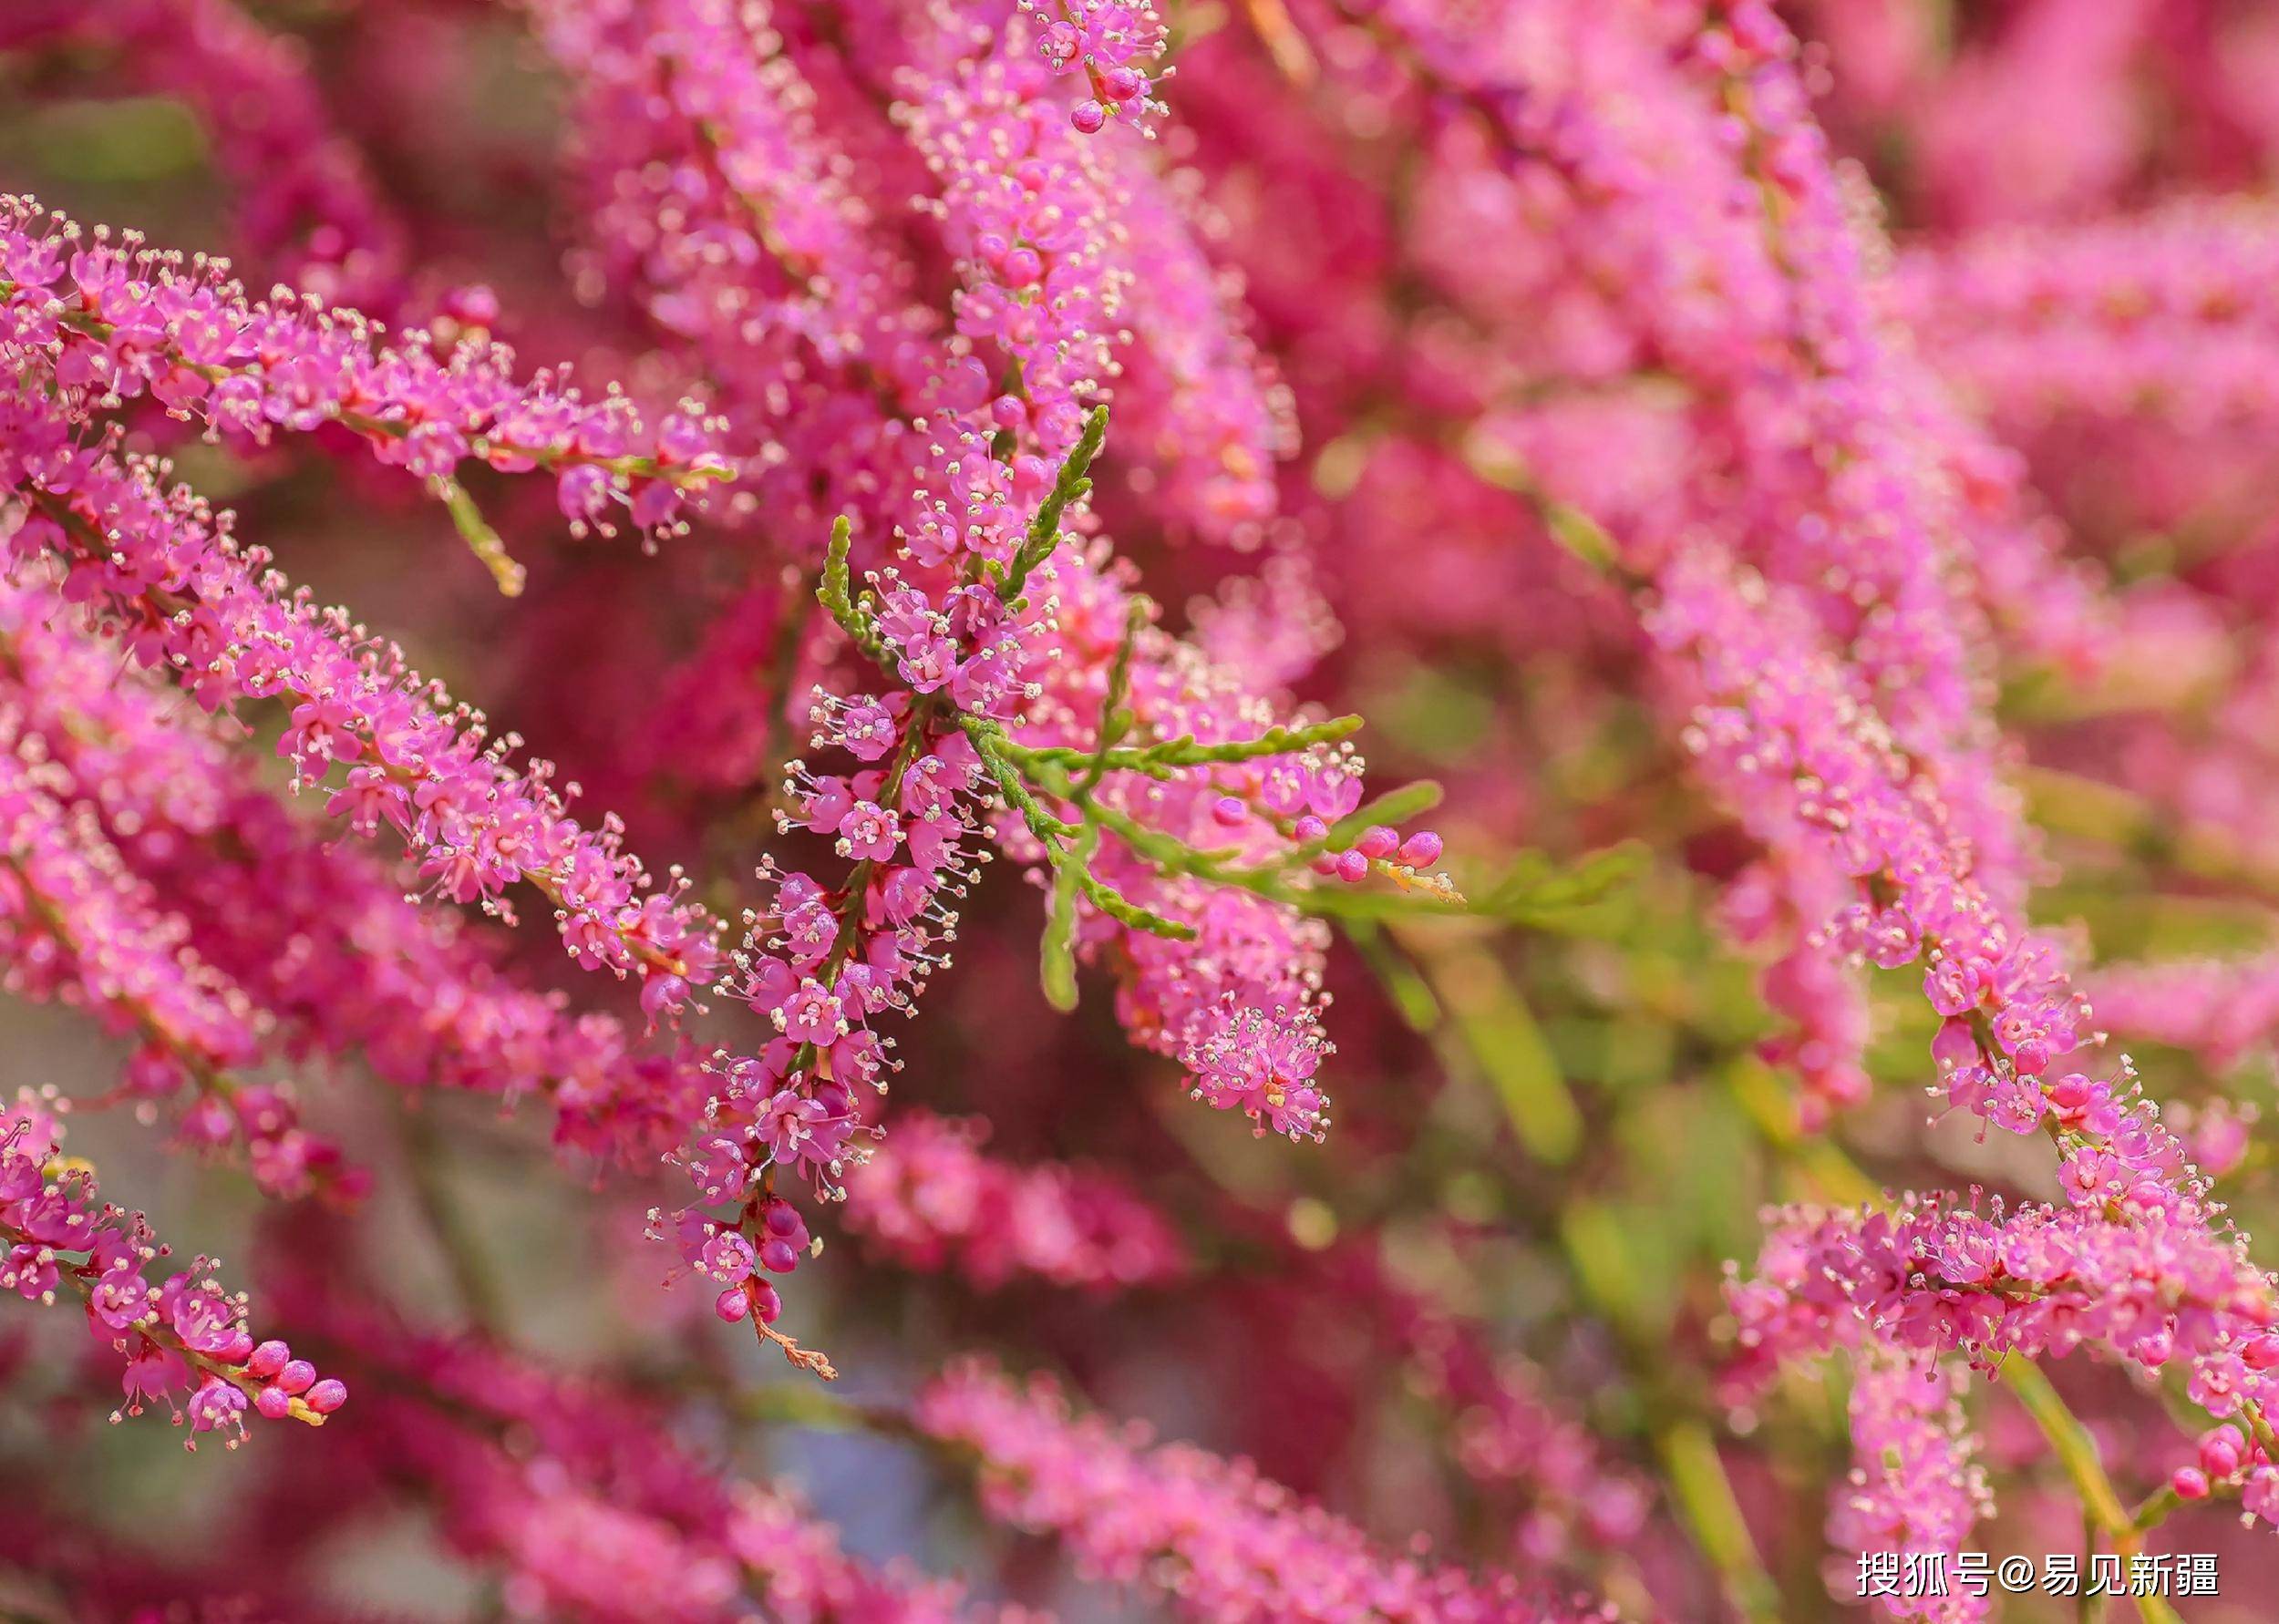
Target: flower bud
1421,850
2219,1454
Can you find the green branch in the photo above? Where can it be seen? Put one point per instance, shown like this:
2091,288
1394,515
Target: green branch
1043,531
2077,1452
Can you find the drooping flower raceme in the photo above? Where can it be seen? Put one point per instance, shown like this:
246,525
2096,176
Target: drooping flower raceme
1208,1535
183,1338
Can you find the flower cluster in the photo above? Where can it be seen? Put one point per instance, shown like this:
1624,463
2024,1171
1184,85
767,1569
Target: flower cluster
181,1335
1795,474
1113,44
930,1198
1914,1489
1220,972
164,568
309,949
1207,1533
116,322
2164,317
2218,1009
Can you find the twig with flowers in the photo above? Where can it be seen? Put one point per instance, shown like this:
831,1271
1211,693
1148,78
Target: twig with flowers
823,961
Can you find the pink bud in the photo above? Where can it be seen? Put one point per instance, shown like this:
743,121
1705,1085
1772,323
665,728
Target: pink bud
1308,829
731,1304
2261,1353
268,1359
1352,866
2219,1451
2189,1483
1378,843
778,1258
2071,1092
473,303
275,1402
1228,810
297,1377
1089,116
327,1395
1421,850
769,1304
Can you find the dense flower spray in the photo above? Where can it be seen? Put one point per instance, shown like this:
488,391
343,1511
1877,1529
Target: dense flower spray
181,1336
1799,476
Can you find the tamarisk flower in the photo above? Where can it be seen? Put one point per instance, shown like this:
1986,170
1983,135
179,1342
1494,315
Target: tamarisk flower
2219,1010
1709,238
1915,1488
181,1335
2168,315
1221,965
2130,1264
929,1197
164,568
2034,1279
1674,161
1209,1536
720,191
1112,44
75,923
1083,266
115,321
1194,394
576,1489
716,197
1920,645
1812,770
318,935
1224,981
1038,280
821,963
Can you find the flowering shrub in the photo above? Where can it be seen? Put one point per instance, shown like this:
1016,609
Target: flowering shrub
884,528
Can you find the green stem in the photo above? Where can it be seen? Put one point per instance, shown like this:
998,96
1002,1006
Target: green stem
2077,1452
1705,1500
2152,1511
1158,758
482,541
